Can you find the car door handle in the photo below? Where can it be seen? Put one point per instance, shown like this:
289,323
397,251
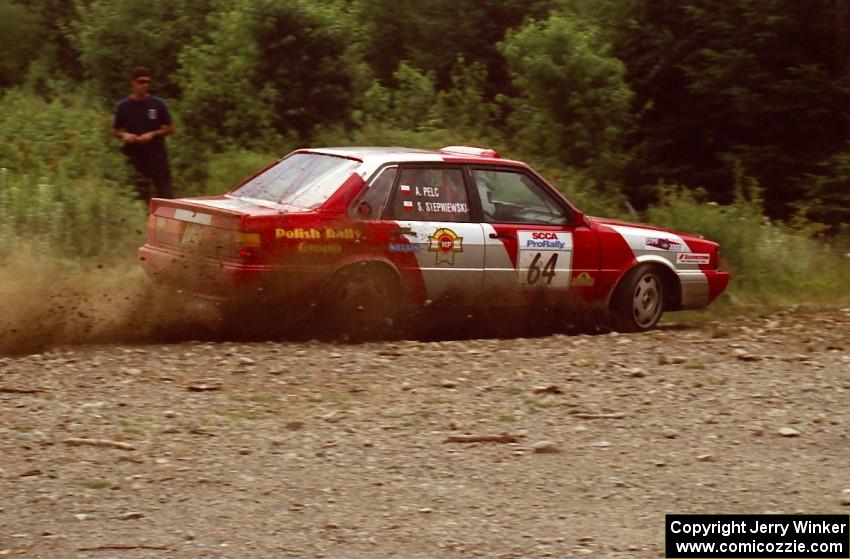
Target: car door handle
501,236
405,231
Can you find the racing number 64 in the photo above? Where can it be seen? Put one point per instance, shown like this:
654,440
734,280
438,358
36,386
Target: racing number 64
547,271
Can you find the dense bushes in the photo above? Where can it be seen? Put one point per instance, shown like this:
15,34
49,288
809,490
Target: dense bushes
769,261
63,183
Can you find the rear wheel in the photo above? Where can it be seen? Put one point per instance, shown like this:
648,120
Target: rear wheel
639,301
362,303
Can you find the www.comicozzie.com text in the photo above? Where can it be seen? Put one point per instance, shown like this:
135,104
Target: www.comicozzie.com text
727,528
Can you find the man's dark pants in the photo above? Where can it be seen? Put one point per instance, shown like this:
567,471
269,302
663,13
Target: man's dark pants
152,168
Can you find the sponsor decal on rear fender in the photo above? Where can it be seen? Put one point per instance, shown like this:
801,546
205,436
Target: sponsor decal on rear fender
313,234
693,258
405,247
311,248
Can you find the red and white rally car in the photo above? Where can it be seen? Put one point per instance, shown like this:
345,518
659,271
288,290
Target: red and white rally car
368,233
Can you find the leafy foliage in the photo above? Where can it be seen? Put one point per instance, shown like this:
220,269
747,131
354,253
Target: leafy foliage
573,105
768,261
61,181
265,71
114,36
431,34
22,32
762,83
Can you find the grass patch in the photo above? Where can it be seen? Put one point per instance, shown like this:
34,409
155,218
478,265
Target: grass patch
257,398
98,484
538,402
249,415
772,264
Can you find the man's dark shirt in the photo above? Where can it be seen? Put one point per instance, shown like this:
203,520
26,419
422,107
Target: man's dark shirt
139,117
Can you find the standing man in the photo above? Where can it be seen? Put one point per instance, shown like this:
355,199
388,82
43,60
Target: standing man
142,121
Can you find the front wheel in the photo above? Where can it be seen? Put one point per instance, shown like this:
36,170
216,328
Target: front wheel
639,300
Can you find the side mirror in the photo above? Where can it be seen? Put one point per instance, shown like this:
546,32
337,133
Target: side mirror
578,218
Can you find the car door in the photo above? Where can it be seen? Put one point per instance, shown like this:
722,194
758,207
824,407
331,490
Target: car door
532,246
436,236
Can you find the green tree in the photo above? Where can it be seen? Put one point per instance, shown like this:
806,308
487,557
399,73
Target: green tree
827,192
22,35
574,104
113,36
431,34
757,83
267,69
464,105
223,95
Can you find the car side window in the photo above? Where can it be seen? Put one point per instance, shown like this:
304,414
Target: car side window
512,197
429,194
369,204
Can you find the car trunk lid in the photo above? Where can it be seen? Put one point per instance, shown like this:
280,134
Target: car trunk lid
219,227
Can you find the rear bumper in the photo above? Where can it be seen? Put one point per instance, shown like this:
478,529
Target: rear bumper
200,276
222,280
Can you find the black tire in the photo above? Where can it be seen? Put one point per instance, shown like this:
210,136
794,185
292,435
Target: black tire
639,300
362,303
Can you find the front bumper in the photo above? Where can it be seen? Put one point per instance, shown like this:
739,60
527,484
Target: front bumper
701,287
717,283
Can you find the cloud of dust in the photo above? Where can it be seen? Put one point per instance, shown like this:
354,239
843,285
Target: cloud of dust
46,301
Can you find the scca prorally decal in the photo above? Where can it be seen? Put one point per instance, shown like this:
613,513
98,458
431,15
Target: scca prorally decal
544,240
445,243
663,244
545,258
693,258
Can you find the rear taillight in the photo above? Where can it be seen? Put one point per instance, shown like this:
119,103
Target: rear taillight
246,245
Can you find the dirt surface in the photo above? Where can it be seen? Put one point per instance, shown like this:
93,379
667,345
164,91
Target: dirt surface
201,449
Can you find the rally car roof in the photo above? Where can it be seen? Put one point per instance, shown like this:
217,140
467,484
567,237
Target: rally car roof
382,155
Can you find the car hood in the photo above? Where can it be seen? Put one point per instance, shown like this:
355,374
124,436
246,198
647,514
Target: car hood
649,228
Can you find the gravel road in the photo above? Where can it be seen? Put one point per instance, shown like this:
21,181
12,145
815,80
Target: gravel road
242,450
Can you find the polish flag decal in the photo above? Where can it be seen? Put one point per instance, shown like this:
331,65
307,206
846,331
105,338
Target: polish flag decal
405,189
408,206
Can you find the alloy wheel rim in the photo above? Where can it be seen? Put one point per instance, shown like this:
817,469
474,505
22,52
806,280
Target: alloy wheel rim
647,300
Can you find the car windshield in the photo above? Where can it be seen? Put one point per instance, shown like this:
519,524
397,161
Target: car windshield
304,180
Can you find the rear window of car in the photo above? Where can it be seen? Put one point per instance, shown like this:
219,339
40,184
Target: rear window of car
305,180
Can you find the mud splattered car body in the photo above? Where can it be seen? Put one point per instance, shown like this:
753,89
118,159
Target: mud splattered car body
368,232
